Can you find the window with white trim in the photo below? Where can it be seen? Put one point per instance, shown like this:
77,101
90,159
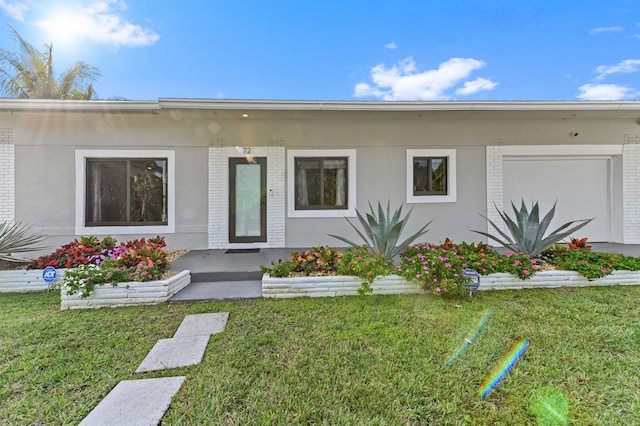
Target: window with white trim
321,183
431,175
124,191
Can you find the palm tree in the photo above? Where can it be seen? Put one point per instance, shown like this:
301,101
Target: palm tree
28,74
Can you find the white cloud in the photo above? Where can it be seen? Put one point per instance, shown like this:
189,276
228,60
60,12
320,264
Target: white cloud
100,22
605,30
392,45
603,92
15,9
475,86
626,66
404,82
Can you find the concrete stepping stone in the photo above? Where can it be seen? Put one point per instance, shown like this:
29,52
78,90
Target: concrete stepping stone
135,402
175,352
202,324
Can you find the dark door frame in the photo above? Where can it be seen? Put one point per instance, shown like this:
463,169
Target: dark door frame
233,162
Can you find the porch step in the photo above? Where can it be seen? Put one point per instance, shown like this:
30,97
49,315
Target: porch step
219,290
225,276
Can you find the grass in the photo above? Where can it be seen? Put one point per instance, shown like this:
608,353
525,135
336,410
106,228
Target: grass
375,360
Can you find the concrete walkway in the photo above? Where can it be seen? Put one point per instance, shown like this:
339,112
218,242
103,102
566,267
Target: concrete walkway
144,402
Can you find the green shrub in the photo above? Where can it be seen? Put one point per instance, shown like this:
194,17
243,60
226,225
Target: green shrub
318,259
439,268
360,262
590,264
18,238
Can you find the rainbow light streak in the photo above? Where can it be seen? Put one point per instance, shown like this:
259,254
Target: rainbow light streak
502,367
469,340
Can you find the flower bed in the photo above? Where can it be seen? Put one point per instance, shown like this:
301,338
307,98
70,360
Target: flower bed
127,293
26,281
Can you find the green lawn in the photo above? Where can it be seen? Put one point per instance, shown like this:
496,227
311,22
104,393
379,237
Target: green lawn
353,360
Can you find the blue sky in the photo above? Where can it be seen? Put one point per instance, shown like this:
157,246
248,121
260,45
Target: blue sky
342,49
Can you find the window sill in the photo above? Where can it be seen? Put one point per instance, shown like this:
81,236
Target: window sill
322,213
125,230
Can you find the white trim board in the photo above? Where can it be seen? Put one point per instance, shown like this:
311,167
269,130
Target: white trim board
561,150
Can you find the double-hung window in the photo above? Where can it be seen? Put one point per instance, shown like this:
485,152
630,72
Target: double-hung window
321,183
124,191
431,175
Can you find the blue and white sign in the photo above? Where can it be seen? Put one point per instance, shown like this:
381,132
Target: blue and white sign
475,279
49,274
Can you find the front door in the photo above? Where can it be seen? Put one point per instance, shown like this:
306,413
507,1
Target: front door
247,200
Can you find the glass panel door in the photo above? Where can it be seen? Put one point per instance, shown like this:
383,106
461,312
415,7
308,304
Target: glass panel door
247,200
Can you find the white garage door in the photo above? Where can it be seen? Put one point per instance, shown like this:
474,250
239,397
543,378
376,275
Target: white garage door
581,187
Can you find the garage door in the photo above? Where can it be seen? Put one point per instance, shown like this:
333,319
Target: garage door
581,187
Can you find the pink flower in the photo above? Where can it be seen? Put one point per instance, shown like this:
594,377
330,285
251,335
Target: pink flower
447,265
464,265
508,254
425,268
143,273
604,271
484,269
526,272
516,263
399,268
438,289
418,275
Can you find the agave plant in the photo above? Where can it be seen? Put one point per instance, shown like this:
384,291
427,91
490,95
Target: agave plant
381,232
17,238
528,231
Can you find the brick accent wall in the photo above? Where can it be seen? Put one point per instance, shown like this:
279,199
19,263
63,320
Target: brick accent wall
218,223
7,176
631,189
276,196
494,184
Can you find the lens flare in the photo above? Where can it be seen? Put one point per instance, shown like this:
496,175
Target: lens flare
469,340
502,367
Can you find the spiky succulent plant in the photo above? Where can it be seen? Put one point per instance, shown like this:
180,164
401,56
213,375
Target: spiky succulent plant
527,231
381,232
16,237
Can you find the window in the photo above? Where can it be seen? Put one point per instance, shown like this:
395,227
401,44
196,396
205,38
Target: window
321,183
431,175
125,192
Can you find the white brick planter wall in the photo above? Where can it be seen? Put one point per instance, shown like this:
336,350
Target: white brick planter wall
552,279
393,284
26,281
127,293
332,286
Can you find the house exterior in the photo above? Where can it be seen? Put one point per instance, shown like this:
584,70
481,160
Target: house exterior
244,174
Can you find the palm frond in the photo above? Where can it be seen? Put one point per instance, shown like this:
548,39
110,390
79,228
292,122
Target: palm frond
18,238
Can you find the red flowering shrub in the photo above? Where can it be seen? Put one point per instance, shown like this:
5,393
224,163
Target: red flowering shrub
92,250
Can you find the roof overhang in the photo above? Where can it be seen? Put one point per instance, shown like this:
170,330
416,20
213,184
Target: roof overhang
153,107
